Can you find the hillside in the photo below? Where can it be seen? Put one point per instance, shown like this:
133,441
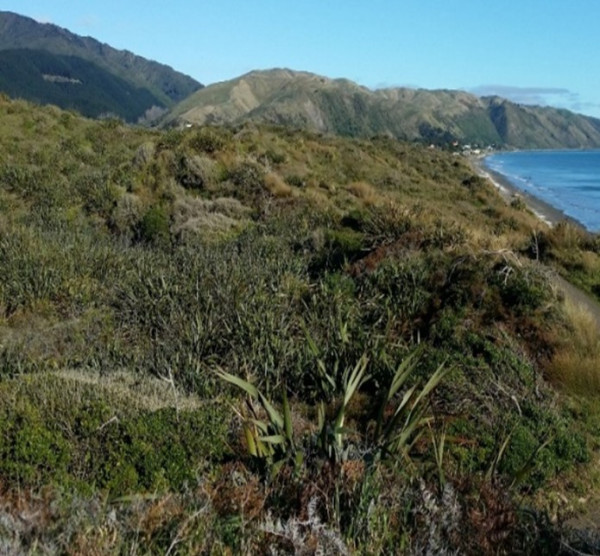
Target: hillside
250,339
71,83
119,72
309,101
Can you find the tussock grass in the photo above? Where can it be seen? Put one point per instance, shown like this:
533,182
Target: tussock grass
364,191
138,393
277,186
208,218
576,363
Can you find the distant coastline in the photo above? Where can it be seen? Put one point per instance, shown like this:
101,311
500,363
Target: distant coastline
546,212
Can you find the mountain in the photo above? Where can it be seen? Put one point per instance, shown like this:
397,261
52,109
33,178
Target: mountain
48,64
70,82
339,106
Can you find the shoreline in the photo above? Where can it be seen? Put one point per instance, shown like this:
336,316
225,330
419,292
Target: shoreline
543,210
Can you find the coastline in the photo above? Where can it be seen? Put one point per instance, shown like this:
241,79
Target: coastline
546,212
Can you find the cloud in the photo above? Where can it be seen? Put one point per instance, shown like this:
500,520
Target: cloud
586,107
528,95
540,96
388,85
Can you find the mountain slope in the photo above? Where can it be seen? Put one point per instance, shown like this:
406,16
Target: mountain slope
156,84
70,82
340,106
542,127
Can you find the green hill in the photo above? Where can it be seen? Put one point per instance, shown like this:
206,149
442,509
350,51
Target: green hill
542,127
132,85
72,83
304,100
255,340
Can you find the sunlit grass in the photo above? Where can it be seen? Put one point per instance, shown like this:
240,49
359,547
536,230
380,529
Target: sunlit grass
576,364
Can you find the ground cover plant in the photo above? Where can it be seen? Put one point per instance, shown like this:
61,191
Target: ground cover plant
252,339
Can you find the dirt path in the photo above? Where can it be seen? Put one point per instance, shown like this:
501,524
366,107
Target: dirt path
579,297
586,521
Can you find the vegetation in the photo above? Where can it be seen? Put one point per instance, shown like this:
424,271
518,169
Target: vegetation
71,83
235,340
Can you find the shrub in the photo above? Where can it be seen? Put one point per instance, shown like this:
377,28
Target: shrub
195,172
248,179
206,140
522,290
154,225
341,246
89,435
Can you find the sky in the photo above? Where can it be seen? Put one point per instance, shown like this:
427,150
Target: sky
530,51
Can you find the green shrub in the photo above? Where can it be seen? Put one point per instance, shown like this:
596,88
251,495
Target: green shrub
154,225
80,436
30,451
521,290
248,179
340,247
295,180
206,140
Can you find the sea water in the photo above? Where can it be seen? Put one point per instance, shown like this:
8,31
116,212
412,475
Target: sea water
567,180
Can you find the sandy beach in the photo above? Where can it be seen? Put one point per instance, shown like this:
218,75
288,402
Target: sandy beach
543,210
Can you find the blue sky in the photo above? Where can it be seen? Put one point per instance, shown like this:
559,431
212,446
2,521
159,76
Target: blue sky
532,51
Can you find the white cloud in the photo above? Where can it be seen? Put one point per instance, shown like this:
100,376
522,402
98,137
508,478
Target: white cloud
540,96
527,95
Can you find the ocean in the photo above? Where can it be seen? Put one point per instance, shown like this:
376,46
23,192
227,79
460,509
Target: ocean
567,180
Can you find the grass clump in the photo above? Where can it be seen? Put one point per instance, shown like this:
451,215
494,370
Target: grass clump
575,365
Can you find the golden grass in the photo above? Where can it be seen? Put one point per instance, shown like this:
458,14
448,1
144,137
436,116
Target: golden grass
364,191
135,392
590,262
277,186
576,364
208,217
567,236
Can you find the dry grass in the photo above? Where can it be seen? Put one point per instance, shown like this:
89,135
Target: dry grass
207,217
576,364
568,236
137,393
590,263
364,191
277,186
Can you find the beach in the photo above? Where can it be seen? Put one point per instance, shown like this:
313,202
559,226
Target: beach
549,215
543,210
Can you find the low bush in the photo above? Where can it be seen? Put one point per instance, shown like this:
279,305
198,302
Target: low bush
154,226
57,431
